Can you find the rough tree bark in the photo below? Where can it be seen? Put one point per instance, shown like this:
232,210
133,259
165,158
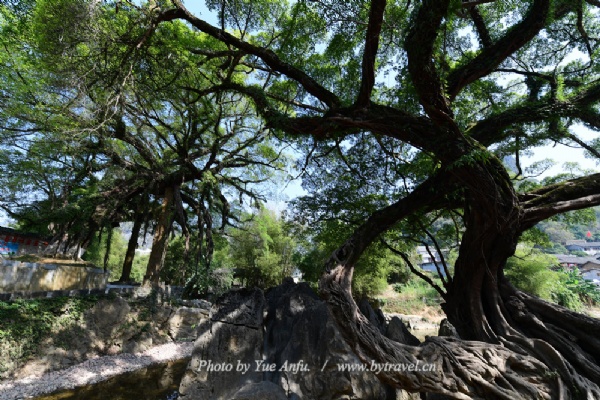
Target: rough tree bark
534,349
160,240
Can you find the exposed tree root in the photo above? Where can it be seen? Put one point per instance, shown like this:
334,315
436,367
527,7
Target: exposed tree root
516,368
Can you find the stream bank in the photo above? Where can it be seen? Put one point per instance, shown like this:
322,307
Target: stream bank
160,368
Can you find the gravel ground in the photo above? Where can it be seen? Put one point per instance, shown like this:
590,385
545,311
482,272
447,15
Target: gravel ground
92,371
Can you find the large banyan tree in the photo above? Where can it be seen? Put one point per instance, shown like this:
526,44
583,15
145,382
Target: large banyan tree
450,86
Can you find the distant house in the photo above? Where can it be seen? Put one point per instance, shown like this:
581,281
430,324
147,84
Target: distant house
588,266
569,261
591,272
590,248
428,261
13,242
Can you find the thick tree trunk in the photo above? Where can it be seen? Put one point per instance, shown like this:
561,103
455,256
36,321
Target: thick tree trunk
131,246
492,220
160,240
513,345
489,311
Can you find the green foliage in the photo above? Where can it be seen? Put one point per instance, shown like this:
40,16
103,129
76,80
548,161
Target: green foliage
187,268
417,287
415,296
570,226
24,324
565,292
579,253
74,151
372,272
476,157
529,270
138,268
538,237
262,249
176,268
96,252
209,282
584,291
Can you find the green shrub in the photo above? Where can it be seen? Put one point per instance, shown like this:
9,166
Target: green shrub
529,270
584,290
25,323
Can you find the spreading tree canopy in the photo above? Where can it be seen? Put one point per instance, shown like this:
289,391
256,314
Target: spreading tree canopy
418,102
144,145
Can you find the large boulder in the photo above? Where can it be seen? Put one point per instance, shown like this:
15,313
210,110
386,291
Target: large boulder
260,391
183,323
103,319
397,331
447,329
375,317
230,340
300,331
293,353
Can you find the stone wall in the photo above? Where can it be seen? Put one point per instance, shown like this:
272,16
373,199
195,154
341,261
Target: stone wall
36,277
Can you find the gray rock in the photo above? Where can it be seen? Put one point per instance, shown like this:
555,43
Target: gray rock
162,315
232,337
375,317
447,329
299,330
240,307
260,391
105,316
436,396
184,322
199,303
404,395
298,347
397,331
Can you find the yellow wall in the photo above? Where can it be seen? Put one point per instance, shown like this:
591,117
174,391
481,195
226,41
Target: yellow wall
33,277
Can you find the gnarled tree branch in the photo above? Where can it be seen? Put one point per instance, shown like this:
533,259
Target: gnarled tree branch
491,56
269,57
419,46
370,52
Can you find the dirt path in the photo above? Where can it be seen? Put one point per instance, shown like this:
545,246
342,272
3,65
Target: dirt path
92,371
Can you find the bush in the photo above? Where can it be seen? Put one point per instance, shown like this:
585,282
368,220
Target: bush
565,297
529,270
583,289
24,324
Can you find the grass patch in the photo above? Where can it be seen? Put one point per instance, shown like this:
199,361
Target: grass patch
24,324
415,297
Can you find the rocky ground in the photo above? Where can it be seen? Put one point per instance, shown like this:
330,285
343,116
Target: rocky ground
130,335
120,336
114,325
92,371
113,337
